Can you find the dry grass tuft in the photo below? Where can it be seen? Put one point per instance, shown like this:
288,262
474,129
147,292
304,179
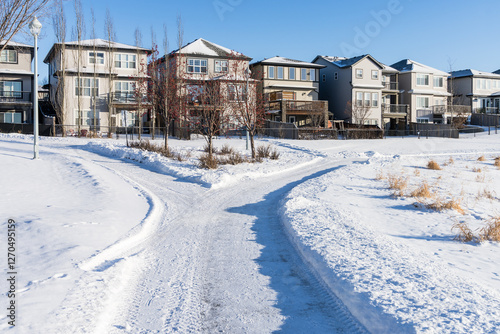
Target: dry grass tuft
423,191
485,194
491,232
441,204
497,163
481,177
263,151
477,170
234,158
465,234
398,184
416,172
274,155
208,161
380,175
451,161
433,165
226,149
481,158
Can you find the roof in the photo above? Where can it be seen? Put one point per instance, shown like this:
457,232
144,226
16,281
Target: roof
389,69
429,92
203,47
343,62
16,44
408,65
287,61
497,72
15,71
474,73
99,43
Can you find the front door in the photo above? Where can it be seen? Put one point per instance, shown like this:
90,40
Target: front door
291,119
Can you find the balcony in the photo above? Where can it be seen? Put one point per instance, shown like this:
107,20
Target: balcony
298,107
15,97
390,86
445,109
394,110
127,98
487,110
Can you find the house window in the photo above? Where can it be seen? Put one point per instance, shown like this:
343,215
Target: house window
438,81
11,89
368,99
303,74
374,99
10,117
96,58
422,79
197,66
280,72
312,74
87,87
270,72
359,99
359,73
422,102
87,117
221,66
374,74
124,90
8,56
125,61
291,73
237,93
335,76
422,120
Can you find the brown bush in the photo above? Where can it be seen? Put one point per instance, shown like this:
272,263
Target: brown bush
208,161
481,158
422,191
465,234
234,158
491,231
263,151
477,170
497,163
433,165
274,155
226,149
398,184
441,204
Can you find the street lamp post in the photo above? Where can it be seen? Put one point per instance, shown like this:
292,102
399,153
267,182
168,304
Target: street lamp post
35,27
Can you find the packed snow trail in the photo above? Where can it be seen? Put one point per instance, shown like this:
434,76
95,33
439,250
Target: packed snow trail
217,261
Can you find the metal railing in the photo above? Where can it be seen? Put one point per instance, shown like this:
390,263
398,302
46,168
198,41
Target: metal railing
487,110
389,85
394,108
455,109
294,105
127,97
15,96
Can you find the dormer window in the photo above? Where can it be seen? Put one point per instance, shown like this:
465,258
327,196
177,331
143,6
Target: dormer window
221,66
197,66
8,56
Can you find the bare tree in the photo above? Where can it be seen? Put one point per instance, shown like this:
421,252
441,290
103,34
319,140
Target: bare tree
15,16
359,112
59,26
109,32
95,60
78,35
139,85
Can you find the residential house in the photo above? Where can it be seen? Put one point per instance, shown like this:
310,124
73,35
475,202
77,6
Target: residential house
425,90
103,83
16,83
208,78
353,88
394,114
476,89
290,89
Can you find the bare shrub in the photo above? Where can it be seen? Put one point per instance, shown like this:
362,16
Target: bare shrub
481,177
234,158
226,149
274,155
485,194
264,151
206,149
451,161
398,184
380,175
423,191
416,172
491,232
441,204
465,234
481,158
433,165
477,170
208,161
497,163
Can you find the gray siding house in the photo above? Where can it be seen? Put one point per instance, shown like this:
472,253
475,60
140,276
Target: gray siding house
476,89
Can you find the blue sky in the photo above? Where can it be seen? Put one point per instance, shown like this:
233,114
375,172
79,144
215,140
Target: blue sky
431,32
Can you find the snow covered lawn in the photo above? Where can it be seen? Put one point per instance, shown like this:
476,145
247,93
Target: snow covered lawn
392,261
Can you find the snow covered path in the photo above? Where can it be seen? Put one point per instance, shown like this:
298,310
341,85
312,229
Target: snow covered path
210,260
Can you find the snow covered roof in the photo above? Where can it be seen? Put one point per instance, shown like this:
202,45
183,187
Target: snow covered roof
343,62
99,43
408,65
203,47
389,69
474,73
429,92
16,44
287,61
15,71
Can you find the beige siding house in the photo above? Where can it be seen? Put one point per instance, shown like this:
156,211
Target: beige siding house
16,83
353,88
425,90
290,89
476,89
99,91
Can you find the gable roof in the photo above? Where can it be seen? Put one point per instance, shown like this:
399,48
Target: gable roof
99,43
474,73
287,61
202,47
16,44
344,62
408,65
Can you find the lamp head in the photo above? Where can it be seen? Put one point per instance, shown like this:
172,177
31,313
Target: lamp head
35,27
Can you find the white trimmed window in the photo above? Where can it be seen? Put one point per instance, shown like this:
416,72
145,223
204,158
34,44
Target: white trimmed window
125,61
374,74
359,99
87,87
87,117
237,92
291,73
124,90
11,117
312,74
197,66
303,74
270,72
8,56
438,81
422,79
280,72
11,89
422,102
374,99
96,58
422,120
221,66
359,73
368,98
